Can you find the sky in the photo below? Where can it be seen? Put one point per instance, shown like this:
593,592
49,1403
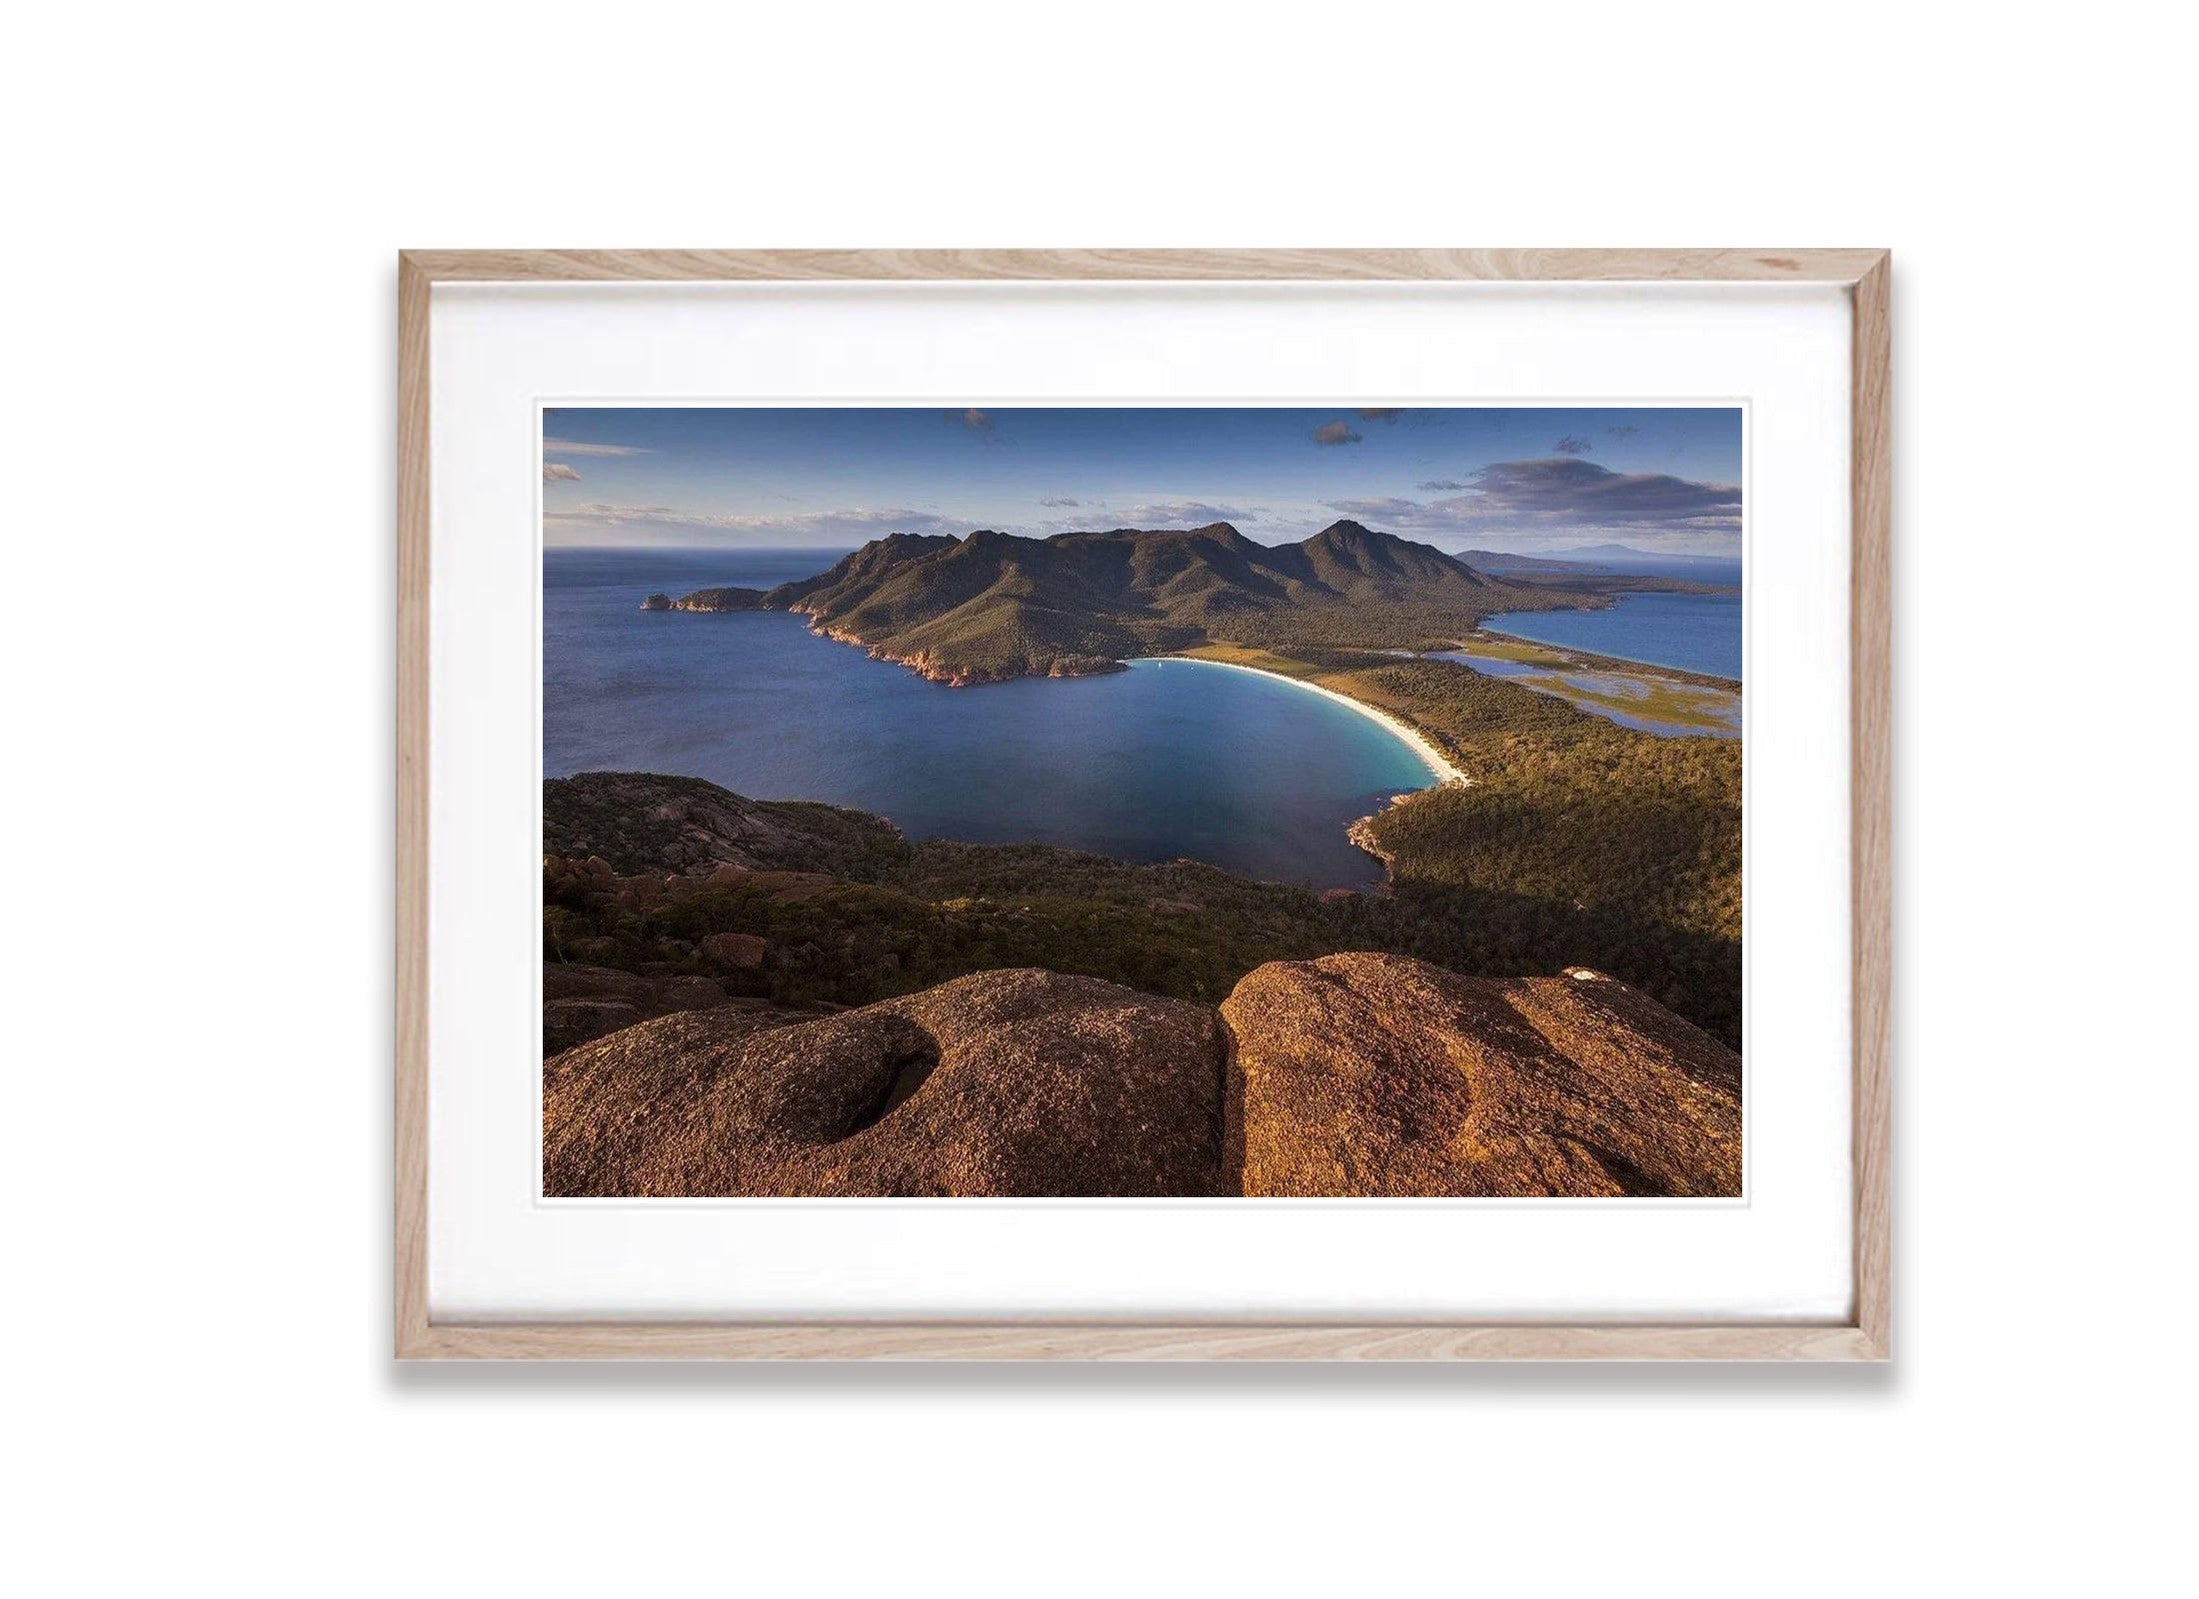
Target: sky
1531,479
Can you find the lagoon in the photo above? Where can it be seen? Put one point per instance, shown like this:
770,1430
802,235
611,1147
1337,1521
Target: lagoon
1688,632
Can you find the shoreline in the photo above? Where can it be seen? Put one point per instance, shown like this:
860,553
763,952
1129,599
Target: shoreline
1622,663
1418,742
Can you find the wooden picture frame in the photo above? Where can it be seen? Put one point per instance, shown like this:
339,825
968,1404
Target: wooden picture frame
1862,1336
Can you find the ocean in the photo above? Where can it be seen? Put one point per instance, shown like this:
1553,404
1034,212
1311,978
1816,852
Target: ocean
1691,632
1168,759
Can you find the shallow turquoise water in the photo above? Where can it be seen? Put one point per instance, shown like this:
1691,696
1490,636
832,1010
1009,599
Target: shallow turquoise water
1167,759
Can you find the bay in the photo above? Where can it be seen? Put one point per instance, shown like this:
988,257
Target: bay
1168,759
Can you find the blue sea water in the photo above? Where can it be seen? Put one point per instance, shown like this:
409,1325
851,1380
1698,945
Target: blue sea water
1692,632
1167,759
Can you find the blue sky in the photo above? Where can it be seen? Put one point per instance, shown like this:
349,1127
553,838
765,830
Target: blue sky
1510,478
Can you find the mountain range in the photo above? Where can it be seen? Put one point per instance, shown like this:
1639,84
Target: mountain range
993,605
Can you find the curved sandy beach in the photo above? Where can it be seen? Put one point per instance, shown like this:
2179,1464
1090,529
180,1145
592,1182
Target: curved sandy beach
1430,756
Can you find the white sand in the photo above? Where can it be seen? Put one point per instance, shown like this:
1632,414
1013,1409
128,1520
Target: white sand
1431,757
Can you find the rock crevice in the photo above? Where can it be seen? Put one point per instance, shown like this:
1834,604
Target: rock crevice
1355,1075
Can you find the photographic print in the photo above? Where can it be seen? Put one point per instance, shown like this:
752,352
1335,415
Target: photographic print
983,801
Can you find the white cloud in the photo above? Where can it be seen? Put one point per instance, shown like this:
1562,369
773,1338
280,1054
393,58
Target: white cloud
1196,513
574,447
1404,513
856,522
558,472
1565,497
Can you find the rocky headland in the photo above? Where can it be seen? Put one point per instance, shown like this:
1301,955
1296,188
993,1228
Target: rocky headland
717,599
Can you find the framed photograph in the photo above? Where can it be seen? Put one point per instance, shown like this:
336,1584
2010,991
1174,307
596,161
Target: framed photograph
1251,804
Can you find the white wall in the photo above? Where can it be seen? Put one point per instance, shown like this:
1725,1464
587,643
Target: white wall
200,356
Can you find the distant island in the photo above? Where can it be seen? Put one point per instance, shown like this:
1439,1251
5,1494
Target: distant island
1512,561
1627,552
993,606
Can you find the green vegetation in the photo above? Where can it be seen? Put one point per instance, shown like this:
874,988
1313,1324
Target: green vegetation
1504,645
948,909
992,606
1304,664
1647,697
721,599
1574,842
644,822
1501,647
1577,841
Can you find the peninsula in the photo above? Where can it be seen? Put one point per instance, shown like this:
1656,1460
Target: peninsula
1551,834
993,605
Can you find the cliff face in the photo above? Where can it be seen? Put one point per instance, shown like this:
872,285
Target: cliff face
1353,1075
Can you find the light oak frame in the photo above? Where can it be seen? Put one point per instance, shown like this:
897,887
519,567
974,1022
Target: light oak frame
1863,1336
